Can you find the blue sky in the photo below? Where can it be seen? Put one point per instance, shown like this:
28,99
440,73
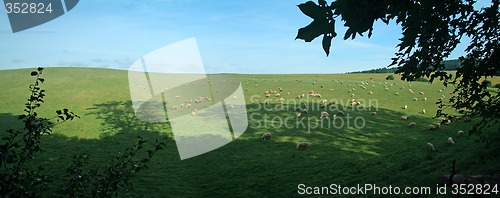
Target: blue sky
255,36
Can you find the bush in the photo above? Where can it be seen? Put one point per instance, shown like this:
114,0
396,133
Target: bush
390,77
421,79
497,85
486,83
21,146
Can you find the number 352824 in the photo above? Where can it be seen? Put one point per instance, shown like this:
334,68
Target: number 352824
28,8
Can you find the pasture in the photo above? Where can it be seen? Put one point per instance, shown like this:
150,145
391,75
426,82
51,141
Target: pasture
376,149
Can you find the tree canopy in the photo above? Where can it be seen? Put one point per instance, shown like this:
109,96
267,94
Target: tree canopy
431,30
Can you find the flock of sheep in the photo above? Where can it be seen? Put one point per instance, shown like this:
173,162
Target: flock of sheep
325,115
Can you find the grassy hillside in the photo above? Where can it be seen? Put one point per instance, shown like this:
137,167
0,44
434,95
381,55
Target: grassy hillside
384,151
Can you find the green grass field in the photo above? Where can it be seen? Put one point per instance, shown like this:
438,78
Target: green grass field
385,151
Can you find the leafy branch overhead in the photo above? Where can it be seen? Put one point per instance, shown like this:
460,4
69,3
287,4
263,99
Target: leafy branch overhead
358,18
323,23
431,31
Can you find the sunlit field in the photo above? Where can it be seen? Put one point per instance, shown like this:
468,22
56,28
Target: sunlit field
369,144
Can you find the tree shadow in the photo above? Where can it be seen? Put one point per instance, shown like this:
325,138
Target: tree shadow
376,153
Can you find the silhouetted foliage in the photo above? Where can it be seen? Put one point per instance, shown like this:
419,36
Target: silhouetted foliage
390,77
431,31
20,147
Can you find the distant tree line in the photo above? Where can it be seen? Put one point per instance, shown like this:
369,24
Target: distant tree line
448,66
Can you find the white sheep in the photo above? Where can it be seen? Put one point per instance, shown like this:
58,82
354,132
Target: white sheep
256,101
460,133
404,107
423,111
324,114
450,141
397,93
282,99
430,147
415,99
370,92
374,113
266,136
302,146
188,105
405,117
438,125
425,99
431,127
421,93
412,124
299,114
193,113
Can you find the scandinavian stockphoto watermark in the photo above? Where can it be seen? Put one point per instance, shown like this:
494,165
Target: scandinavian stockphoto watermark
204,111
25,14
309,113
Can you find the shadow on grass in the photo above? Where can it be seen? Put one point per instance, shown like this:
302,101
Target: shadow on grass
385,151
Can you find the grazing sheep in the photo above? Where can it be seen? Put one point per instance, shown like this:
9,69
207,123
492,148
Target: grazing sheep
405,117
374,113
268,95
411,91
256,101
450,141
387,89
266,136
334,117
352,95
175,107
281,89
193,113
425,99
177,97
415,99
278,95
412,124
282,99
397,93
305,111
299,114
287,93
267,102
438,125
404,107
430,147
431,127
302,146
460,133
188,105
423,111
421,93
324,114
370,92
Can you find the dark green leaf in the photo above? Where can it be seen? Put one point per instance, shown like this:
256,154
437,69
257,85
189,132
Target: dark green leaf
311,9
327,40
311,31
